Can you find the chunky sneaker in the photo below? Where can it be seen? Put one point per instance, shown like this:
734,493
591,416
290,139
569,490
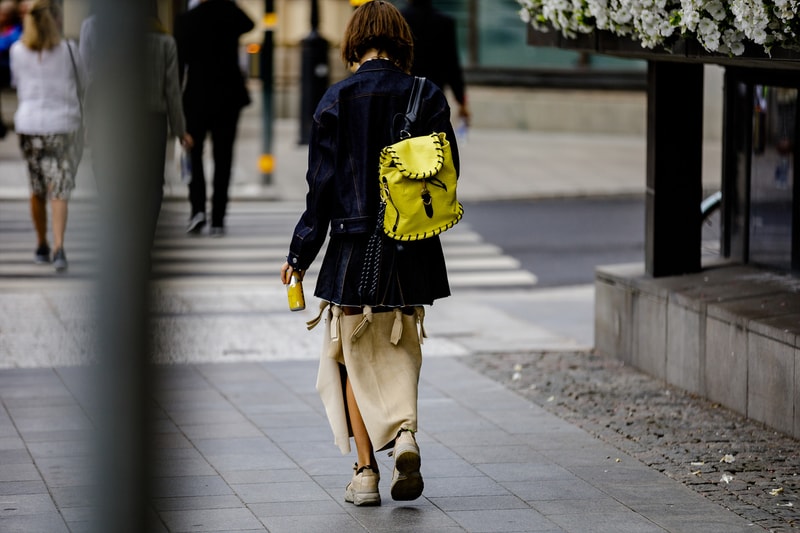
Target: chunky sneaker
406,480
60,260
196,223
363,488
217,231
42,254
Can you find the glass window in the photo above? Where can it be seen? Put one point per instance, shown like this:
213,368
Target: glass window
501,40
772,172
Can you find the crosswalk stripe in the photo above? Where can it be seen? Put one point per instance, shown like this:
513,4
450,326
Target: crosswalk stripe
499,279
256,245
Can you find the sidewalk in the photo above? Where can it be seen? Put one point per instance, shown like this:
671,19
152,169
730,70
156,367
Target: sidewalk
244,445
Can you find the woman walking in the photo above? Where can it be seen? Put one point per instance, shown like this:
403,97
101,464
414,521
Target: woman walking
369,370
164,102
48,73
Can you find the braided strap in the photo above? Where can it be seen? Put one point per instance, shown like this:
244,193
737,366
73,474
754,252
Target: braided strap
368,284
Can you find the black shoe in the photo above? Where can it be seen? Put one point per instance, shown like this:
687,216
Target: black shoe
60,260
42,254
196,223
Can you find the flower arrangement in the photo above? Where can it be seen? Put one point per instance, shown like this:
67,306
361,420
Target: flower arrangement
718,26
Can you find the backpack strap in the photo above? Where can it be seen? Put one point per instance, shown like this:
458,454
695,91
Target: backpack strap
413,107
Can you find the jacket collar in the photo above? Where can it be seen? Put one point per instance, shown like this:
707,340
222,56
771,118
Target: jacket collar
378,64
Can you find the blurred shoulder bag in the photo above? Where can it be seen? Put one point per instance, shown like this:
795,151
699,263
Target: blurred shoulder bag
418,181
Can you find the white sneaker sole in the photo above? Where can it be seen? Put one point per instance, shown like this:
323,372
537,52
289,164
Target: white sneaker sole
362,499
407,482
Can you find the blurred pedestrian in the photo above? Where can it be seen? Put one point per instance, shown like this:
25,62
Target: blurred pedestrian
48,72
214,95
164,101
10,32
369,370
87,44
436,50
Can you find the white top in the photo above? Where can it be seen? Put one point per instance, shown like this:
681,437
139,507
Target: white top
46,89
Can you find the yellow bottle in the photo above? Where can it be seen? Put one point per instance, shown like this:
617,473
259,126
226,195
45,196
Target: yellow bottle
294,290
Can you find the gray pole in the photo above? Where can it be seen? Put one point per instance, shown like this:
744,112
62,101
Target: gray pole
120,157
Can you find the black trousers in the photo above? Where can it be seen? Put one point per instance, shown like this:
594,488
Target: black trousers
154,176
221,124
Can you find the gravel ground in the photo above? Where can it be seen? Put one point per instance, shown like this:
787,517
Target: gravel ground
738,463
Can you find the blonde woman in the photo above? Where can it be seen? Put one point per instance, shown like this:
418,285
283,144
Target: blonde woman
47,71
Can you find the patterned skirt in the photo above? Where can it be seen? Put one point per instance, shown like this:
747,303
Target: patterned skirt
53,161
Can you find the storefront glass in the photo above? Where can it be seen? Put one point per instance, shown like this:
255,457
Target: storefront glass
772,175
500,40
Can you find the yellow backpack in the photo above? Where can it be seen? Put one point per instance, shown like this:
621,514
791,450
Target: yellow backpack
418,181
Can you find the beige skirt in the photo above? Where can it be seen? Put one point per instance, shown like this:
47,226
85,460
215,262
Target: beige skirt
381,354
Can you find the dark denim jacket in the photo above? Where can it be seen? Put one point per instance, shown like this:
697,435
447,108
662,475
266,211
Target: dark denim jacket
352,123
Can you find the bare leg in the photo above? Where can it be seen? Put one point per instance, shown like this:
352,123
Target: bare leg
59,222
364,451
39,216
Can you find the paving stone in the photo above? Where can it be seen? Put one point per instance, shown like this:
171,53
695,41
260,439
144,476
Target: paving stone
419,515
18,472
470,486
500,521
503,472
312,524
192,521
299,508
190,486
51,522
172,467
476,503
69,448
11,441
605,505
226,430
625,521
536,490
66,471
26,504
15,456
230,501
290,491
67,496
446,467
493,454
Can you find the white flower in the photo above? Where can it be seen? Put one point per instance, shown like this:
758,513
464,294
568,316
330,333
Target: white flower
732,42
708,35
716,10
717,25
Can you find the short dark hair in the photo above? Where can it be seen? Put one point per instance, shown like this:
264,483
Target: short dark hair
381,26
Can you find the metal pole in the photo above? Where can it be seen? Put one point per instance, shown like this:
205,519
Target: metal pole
266,162
120,158
314,15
